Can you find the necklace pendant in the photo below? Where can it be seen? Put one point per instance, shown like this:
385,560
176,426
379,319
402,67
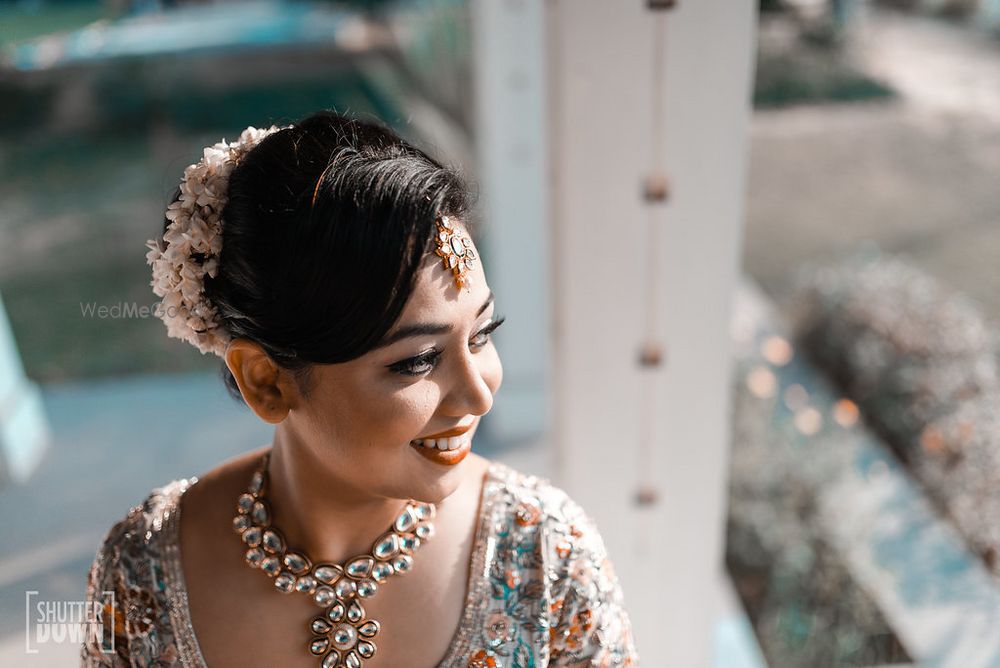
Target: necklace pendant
343,636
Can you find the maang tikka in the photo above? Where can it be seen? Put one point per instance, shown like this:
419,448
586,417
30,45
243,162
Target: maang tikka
455,248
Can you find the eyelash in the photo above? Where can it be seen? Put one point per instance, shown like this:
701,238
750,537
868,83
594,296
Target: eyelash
415,366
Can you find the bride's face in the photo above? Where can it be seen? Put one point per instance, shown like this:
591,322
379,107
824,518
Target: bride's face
437,370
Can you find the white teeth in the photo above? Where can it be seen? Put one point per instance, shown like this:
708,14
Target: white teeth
452,443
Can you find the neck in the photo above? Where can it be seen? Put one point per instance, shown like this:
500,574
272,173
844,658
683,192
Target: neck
327,518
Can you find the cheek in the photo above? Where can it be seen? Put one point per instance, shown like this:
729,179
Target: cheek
403,413
362,409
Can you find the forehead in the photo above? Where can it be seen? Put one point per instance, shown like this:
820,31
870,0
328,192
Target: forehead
435,291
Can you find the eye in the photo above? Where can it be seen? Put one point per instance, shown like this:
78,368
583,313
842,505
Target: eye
482,337
424,363
417,365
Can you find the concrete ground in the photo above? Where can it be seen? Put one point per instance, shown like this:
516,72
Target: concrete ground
918,175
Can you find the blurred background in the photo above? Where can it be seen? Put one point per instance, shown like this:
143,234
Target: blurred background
810,475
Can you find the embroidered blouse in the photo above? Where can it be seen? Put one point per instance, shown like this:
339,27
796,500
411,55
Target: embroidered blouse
541,590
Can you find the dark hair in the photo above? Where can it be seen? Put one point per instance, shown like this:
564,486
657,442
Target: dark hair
324,282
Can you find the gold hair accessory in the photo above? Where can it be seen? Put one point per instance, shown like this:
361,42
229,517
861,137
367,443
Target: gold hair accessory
456,250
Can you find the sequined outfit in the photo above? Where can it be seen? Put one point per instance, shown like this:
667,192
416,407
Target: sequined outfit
541,590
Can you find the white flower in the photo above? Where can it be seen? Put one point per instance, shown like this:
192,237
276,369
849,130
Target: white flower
195,226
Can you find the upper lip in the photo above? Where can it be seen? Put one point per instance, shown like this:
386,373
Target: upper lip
456,431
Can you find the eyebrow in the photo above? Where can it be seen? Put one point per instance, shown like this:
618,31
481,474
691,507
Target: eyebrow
426,329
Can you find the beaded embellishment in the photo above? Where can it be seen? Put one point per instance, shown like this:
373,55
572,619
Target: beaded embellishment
455,249
343,635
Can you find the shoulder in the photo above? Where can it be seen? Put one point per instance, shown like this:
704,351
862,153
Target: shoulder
140,528
549,554
533,515
127,581
534,501
137,538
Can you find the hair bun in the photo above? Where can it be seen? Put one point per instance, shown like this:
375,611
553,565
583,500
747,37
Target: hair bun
191,243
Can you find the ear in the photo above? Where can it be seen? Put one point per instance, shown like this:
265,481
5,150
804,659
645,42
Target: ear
265,386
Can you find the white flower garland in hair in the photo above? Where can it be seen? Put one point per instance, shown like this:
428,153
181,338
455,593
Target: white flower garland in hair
190,246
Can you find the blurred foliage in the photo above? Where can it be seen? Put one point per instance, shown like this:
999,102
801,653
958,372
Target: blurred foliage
809,60
23,105
805,606
769,6
241,107
785,79
923,363
807,55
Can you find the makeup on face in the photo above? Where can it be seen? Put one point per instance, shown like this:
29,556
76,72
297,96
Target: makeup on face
441,440
424,362
451,446
446,451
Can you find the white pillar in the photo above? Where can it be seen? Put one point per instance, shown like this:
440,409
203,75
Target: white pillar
599,62
508,47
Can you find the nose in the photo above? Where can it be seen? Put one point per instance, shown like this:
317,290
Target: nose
469,393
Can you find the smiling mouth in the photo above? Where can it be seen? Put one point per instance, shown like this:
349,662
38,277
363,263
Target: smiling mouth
450,443
452,439
444,451
457,431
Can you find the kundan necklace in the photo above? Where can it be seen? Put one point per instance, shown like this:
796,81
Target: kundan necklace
343,635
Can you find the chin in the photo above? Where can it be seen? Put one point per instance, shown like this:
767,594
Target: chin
440,488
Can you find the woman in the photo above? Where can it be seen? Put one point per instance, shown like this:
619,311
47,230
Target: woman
329,264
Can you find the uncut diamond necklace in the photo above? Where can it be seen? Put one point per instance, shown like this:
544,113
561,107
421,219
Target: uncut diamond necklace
343,635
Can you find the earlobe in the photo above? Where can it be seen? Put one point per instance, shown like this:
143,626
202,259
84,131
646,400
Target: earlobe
259,380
